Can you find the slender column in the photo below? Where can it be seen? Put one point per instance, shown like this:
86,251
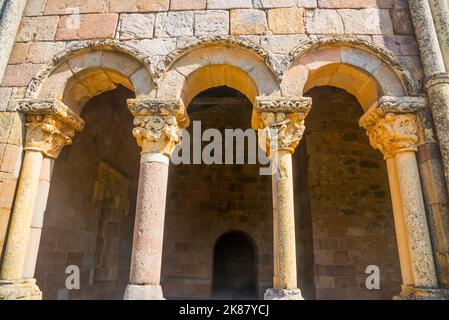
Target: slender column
399,223
437,78
392,129
440,12
282,122
157,132
50,126
37,220
11,12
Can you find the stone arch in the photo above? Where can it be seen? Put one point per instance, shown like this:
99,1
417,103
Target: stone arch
357,66
90,68
218,63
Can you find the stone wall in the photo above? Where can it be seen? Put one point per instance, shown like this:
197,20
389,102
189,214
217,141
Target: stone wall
350,204
90,213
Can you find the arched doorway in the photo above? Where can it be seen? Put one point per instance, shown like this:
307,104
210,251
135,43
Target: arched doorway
235,270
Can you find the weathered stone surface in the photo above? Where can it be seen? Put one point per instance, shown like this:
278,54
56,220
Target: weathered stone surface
38,29
5,94
174,24
402,22
34,8
68,6
286,21
399,45
136,26
355,3
229,4
160,46
248,21
43,52
282,43
187,5
324,22
105,27
19,53
138,5
274,3
19,75
212,22
307,3
366,21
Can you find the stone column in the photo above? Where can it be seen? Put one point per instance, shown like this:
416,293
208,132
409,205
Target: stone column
157,132
437,78
440,12
392,128
282,122
11,14
49,127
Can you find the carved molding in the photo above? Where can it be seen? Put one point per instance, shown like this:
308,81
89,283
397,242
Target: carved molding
281,121
79,47
413,86
50,125
391,125
436,79
157,123
278,67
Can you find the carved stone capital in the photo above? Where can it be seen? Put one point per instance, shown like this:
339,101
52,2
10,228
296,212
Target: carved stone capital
50,125
281,122
391,124
157,123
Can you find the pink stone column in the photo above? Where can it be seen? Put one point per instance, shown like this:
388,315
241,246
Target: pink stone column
145,274
157,131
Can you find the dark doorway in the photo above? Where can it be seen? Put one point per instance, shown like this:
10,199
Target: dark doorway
235,270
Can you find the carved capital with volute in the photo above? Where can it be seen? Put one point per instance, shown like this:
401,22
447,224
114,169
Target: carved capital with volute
50,125
280,122
158,123
392,125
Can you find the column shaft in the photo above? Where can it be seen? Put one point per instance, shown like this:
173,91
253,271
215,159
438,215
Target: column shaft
399,223
422,263
146,258
38,218
275,237
440,12
286,249
19,230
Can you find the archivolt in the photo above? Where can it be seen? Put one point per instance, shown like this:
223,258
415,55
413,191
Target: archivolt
88,68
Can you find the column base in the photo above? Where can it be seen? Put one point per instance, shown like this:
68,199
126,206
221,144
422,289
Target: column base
24,289
143,292
413,293
283,294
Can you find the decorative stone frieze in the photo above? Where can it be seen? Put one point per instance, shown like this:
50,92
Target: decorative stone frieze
281,121
392,125
50,125
157,123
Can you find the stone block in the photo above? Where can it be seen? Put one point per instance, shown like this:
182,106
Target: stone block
307,3
248,21
229,4
174,24
105,27
34,8
11,159
212,22
20,75
43,52
264,4
19,53
366,21
399,45
283,44
62,7
136,26
286,20
38,29
324,22
356,4
138,5
188,5
5,94
162,46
